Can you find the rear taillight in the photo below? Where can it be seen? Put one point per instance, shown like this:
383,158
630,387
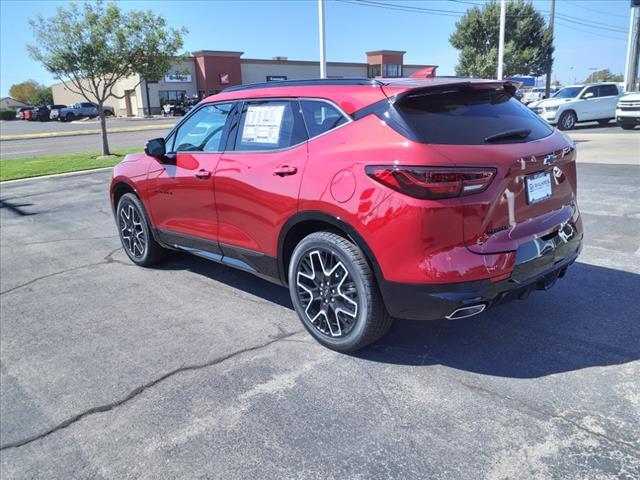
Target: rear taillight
432,183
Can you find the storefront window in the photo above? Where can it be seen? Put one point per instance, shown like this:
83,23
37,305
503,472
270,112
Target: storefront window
373,71
172,97
393,70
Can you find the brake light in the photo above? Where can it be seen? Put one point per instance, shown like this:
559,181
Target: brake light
432,183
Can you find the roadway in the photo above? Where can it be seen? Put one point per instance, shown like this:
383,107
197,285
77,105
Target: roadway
77,143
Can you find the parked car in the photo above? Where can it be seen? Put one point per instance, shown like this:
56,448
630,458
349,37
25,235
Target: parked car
579,103
21,111
536,93
370,199
81,110
54,111
628,111
40,114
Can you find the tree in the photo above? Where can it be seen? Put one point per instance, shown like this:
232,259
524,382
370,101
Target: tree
24,91
42,96
528,47
604,75
93,46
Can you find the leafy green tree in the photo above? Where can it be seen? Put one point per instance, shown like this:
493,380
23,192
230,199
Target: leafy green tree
42,96
92,46
604,75
528,45
24,91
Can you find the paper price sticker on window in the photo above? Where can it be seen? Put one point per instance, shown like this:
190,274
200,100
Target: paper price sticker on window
262,124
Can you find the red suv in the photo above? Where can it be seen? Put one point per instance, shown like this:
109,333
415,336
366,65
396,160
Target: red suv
369,199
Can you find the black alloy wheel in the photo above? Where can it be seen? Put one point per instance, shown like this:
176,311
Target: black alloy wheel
335,294
135,232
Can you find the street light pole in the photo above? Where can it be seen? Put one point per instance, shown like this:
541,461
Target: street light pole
552,14
503,17
323,59
633,46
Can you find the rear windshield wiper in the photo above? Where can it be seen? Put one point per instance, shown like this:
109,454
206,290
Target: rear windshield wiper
521,133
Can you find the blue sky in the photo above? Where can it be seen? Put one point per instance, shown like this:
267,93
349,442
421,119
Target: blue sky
268,28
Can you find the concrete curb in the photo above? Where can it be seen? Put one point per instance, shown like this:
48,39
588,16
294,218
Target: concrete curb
73,133
65,174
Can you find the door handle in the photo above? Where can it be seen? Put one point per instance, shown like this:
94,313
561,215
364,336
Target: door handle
203,174
285,170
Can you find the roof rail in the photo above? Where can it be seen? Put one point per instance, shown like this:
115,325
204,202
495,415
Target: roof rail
309,82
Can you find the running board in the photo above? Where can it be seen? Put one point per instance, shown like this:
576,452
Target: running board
232,262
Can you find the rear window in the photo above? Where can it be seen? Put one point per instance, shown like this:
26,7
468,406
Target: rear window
468,117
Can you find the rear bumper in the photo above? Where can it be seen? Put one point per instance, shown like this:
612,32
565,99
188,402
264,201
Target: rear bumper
539,263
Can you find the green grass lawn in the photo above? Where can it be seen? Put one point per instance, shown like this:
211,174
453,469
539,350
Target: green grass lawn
13,168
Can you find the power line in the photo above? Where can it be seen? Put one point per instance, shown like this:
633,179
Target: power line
567,20
591,23
582,5
404,8
467,2
596,34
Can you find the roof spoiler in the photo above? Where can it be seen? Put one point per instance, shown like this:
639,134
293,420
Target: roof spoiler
462,84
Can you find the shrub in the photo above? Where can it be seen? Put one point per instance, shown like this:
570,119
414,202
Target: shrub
7,114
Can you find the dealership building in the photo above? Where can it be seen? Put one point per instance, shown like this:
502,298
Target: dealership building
209,71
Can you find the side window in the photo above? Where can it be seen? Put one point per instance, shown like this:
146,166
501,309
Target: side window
270,125
608,90
593,90
320,117
202,132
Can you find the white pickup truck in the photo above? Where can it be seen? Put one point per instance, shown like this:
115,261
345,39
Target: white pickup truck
579,103
79,110
628,111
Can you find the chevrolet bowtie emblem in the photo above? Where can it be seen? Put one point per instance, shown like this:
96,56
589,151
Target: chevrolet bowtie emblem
549,159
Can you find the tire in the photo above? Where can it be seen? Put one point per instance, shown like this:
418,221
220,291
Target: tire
340,307
135,233
567,120
70,117
627,127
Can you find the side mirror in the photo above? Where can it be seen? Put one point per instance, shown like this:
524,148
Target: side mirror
588,95
155,148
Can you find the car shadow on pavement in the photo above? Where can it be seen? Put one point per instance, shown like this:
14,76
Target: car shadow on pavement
230,276
593,125
589,318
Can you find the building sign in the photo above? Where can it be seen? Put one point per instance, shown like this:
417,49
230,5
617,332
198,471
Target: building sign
276,78
224,78
177,77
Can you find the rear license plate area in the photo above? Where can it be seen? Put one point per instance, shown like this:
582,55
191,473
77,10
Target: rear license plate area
538,187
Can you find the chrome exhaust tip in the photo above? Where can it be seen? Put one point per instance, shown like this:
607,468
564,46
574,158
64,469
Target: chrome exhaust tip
466,312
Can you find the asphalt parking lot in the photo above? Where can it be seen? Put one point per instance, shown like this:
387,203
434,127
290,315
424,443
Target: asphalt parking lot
194,370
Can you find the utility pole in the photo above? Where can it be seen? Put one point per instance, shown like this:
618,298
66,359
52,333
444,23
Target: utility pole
552,14
633,48
503,17
323,58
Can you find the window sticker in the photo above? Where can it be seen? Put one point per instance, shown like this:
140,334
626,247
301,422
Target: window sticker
262,124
